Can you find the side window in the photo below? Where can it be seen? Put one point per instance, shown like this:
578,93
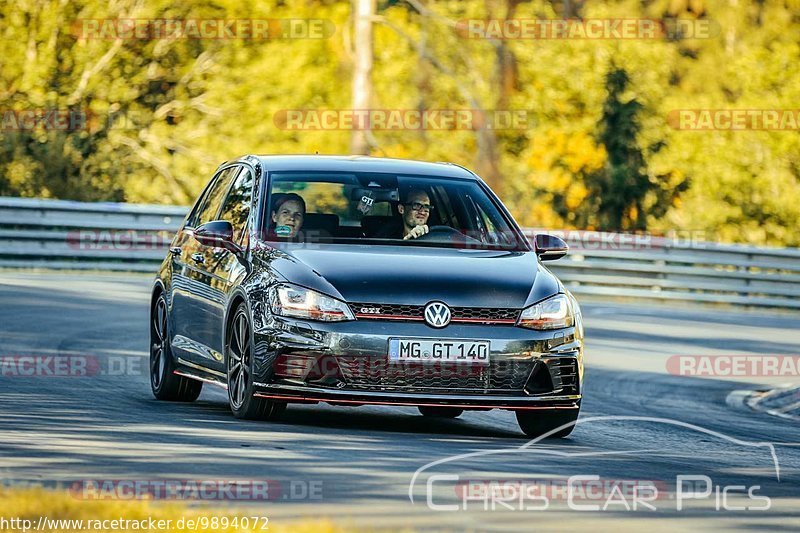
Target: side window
191,222
214,197
442,200
498,232
485,220
236,208
488,226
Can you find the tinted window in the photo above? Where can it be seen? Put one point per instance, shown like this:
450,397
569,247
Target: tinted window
191,222
383,208
236,208
214,196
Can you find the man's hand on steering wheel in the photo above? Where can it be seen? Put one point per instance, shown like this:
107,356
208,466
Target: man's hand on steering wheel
418,231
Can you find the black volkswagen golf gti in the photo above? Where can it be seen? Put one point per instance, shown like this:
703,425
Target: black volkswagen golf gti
357,280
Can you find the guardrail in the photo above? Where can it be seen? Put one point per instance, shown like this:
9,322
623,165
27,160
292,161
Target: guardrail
57,234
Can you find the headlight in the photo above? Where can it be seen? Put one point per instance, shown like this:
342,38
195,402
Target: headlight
553,313
297,302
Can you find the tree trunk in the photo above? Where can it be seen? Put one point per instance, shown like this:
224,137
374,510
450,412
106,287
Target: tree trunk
363,12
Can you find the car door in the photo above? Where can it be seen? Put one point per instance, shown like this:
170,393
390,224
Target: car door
222,267
192,288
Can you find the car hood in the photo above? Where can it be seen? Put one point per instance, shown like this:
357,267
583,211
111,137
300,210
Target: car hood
414,275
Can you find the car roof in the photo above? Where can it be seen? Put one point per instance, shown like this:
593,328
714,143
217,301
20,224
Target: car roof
330,163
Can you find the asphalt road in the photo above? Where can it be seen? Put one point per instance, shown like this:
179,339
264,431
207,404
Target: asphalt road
355,464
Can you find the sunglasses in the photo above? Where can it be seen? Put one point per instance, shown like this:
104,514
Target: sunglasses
416,206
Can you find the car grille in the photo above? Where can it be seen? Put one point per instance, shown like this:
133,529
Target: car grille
380,374
417,312
564,373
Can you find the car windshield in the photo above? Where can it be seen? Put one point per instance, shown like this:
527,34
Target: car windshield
386,209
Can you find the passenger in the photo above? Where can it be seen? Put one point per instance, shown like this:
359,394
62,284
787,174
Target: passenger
288,213
414,214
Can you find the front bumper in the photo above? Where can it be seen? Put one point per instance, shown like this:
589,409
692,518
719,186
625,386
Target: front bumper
301,394
347,363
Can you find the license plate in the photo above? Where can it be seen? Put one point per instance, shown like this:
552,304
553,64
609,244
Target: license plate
436,350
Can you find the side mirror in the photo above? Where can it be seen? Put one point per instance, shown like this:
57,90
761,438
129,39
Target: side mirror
550,247
218,234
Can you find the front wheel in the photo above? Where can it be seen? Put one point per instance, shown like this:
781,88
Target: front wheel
239,362
536,423
165,384
440,412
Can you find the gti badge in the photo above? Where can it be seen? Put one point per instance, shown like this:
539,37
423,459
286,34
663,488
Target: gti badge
437,314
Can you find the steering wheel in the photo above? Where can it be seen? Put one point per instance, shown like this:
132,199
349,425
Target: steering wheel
446,234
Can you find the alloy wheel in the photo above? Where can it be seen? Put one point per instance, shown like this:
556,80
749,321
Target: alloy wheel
239,357
158,343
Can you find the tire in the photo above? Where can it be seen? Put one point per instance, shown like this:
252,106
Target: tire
537,423
239,365
440,412
164,383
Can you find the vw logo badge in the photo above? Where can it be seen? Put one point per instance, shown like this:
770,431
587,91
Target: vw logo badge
437,314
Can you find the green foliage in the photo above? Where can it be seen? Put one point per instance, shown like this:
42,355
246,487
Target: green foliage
620,190
597,151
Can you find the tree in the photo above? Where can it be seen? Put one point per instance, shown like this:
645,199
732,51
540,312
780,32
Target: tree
363,13
622,188
598,149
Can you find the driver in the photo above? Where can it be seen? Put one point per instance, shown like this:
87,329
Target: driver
288,214
414,213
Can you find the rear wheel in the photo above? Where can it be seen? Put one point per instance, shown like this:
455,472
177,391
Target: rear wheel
536,423
440,412
239,363
166,385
